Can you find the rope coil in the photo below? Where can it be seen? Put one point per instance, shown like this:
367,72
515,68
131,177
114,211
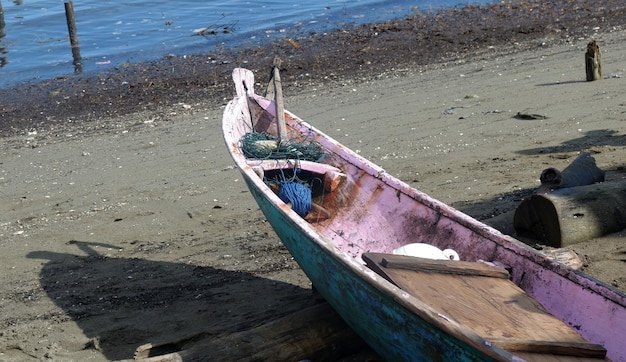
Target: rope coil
298,195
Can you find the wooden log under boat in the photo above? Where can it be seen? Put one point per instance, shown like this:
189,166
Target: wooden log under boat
315,333
572,215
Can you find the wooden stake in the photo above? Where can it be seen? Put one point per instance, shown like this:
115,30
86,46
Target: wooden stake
71,28
280,106
592,62
2,23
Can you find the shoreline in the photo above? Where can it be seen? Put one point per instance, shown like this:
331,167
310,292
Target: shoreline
424,40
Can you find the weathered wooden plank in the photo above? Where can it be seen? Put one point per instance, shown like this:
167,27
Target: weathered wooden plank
494,308
443,266
314,333
575,349
332,176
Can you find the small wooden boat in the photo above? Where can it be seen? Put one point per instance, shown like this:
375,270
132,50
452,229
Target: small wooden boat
501,301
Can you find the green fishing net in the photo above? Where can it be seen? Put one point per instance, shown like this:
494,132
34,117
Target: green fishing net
262,146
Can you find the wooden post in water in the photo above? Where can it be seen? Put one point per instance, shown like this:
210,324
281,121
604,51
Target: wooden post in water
2,23
3,51
592,62
71,28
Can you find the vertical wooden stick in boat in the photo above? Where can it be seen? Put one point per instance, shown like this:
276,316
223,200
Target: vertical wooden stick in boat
280,106
592,61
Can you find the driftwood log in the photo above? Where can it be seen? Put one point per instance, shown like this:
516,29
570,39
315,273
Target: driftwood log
593,67
571,215
316,333
582,171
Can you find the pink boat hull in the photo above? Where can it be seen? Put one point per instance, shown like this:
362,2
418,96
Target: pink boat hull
374,212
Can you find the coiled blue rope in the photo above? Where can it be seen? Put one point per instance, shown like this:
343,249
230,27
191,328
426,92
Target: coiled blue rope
298,194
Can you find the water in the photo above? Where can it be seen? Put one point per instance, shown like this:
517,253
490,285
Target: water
34,41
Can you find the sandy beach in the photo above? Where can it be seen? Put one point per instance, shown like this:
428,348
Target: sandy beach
136,228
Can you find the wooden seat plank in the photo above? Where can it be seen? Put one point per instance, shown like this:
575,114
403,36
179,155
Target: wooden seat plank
443,266
332,175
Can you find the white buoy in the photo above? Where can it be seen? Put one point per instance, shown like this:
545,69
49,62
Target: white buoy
428,251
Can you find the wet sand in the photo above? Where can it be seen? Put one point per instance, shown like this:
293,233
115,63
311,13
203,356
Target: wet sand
123,221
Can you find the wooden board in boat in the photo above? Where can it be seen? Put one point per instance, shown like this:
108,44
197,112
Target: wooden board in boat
482,298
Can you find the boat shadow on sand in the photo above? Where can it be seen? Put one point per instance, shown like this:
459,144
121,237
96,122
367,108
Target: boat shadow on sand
121,303
592,138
